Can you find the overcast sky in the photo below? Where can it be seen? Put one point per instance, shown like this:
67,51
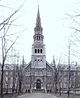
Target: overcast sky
54,21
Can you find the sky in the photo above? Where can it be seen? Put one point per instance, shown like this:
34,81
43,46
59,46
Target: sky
55,22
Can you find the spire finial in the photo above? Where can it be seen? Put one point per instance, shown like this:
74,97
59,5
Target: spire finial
38,7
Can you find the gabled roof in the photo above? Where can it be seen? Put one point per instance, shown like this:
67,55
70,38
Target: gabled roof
27,65
47,64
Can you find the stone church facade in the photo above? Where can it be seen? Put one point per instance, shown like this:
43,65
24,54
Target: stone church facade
38,73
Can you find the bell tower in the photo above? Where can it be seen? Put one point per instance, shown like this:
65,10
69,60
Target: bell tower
38,59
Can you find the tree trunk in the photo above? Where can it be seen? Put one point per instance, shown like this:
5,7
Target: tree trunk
2,72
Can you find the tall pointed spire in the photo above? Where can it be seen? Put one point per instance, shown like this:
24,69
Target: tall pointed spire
38,20
38,27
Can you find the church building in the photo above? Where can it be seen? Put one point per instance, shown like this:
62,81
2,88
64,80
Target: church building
38,75
38,72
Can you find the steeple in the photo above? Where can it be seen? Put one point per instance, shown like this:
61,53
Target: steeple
38,20
38,28
38,46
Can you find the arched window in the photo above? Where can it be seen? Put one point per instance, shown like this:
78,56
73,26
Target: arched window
41,50
35,50
39,37
38,50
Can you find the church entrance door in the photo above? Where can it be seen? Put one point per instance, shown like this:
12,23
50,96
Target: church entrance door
38,84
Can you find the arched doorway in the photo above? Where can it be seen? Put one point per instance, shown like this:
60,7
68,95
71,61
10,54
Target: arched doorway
38,84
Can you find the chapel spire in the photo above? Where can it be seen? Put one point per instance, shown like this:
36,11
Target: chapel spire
38,20
38,28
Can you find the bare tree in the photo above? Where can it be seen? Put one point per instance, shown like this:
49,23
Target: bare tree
74,47
4,26
20,77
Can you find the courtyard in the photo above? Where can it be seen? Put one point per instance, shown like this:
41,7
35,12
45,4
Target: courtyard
46,95
37,95
41,95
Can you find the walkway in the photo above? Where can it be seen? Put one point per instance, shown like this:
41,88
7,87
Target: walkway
41,95
37,95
